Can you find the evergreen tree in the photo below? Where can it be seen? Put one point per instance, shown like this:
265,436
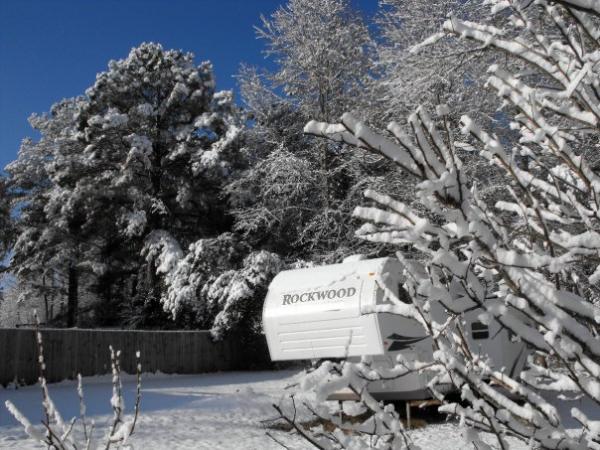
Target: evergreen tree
123,178
49,251
6,222
161,142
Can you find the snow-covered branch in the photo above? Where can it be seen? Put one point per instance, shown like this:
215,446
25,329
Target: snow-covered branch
79,433
522,260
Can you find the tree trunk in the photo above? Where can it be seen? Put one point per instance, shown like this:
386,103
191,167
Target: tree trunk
72,297
46,306
153,282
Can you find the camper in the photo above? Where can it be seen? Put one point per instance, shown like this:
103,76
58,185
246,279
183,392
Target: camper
315,313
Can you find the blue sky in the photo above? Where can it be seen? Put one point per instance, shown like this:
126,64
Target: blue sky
51,50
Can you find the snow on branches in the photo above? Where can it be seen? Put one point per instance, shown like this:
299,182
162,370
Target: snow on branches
323,50
530,261
223,288
130,173
58,434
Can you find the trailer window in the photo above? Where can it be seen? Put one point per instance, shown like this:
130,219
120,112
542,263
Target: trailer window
480,330
403,295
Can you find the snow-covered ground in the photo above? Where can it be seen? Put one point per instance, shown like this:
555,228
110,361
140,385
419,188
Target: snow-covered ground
209,411
220,410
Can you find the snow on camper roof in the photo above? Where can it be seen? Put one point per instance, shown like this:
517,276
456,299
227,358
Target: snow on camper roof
324,276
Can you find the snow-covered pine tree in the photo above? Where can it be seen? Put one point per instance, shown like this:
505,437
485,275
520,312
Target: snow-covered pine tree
530,261
159,144
125,175
6,222
50,252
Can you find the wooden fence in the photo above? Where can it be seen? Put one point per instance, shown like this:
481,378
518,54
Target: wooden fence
71,351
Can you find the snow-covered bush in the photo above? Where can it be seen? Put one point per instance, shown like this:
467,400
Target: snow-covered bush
531,261
274,199
15,307
219,280
79,433
237,294
10,314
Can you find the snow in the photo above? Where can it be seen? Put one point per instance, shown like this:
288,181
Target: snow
136,221
165,248
212,411
585,4
559,205
221,410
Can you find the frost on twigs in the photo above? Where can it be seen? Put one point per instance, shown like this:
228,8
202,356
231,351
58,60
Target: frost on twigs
361,423
529,259
79,432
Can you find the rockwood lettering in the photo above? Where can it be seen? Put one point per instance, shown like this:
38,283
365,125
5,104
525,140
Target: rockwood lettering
329,294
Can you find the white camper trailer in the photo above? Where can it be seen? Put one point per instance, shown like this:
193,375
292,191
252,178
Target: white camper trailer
315,312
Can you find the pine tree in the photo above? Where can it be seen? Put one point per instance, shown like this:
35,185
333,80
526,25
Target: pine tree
161,142
49,250
123,177
6,222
